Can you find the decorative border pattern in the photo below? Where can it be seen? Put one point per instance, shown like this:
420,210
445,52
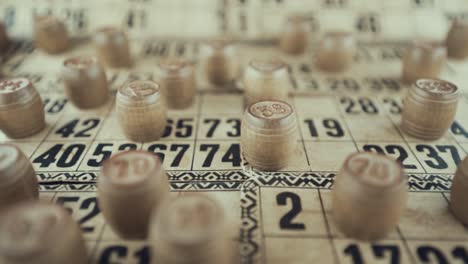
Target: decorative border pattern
249,185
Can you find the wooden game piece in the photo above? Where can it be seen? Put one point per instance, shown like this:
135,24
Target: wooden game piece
141,112
369,196
429,108
18,180
19,98
268,134
266,79
85,82
423,59
191,229
459,192
112,47
177,79
295,36
40,233
131,185
336,51
50,34
4,41
457,38
220,60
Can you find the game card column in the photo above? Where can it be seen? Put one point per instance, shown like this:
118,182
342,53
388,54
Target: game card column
326,137
59,158
293,221
218,135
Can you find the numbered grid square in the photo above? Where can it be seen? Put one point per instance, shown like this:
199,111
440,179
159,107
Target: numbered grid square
218,155
438,157
51,156
225,127
99,151
291,212
383,251
324,129
174,154
85,210
397,151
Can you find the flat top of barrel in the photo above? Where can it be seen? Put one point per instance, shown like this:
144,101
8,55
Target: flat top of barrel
10,85
129,168
139,89
9,154
267,64
437,87
174,64
191,219
375,169
26,230
270,110
80,62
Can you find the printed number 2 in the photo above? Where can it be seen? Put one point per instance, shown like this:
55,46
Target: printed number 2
286,221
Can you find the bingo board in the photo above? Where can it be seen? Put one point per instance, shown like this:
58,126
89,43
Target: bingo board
277,217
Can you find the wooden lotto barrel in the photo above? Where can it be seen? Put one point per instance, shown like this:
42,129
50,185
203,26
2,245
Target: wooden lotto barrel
429,108
459,192
113,48
18,182
19,98
141,111
369,196
294,38
456,40
131,185
191,229
266,79
336,51
4,40
268,134
50,34
177,79
423,59
40,233
85,82
220,60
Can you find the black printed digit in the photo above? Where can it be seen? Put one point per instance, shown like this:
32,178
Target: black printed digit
287,221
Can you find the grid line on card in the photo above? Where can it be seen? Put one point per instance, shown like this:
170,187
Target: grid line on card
197,127
405,244
343,117
302,140
52,127
106,116
327,226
